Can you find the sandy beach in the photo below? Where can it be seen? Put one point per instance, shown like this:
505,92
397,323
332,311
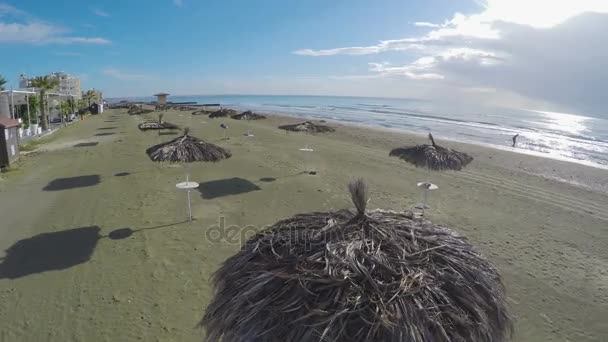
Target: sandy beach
71,271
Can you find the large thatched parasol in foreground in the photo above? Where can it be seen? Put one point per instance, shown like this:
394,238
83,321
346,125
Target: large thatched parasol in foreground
357,276
309,127
432,156
160,124
187,149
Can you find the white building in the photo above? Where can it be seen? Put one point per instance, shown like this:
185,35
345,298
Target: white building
68,84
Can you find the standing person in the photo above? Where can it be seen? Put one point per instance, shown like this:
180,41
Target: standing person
515,139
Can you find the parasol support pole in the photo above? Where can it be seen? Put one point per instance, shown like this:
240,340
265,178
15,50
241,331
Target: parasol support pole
425,196
426,187
189,208
189,203
188,186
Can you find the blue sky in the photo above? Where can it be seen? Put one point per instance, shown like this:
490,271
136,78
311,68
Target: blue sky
477,50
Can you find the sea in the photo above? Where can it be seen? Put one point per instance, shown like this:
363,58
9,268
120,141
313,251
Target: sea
572,137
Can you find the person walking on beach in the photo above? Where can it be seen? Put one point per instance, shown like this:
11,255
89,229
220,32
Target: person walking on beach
515,139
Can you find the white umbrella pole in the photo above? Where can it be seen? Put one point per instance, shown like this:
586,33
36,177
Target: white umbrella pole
424,199
189,208
189,202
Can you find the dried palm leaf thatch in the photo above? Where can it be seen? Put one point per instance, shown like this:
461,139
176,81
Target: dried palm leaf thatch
138,110
187,149
160,124
222,113
201,112
309,127
432,156
357,276
184,108
156,125
248,115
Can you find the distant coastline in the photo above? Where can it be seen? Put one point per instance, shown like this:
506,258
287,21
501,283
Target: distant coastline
574,138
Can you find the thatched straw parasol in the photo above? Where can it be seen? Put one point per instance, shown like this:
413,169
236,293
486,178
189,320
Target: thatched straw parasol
187,149
201,112
222,113
248,115
309,127
160,124
432,156
357,276
137,110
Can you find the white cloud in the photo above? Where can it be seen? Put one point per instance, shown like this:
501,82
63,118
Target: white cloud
6,9
539,13
68,54
124,75
99,12
426,24
28,32
412,71
383,46
24,28
178,3
78,40
545,49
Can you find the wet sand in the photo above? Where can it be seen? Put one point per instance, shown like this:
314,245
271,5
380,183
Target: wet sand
97,248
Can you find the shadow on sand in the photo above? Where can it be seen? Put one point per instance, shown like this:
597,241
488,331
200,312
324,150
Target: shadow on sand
102,134
89,144
49,252
102,128
72,183
226,187
124,233
58,250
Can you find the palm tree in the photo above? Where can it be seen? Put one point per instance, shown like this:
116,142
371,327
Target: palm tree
89,95
65,110
34,103
44,84
71,103
81,105
2,82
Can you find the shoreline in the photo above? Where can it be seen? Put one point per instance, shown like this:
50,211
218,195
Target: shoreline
571,172
505,148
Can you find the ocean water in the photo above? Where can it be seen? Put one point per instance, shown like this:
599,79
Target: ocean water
557,135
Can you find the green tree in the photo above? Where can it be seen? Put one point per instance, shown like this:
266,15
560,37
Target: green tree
89,95
34,103
2,82
71,103
65,109
44,84
81,105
